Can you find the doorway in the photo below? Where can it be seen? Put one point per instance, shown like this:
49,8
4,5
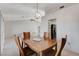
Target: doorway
52,28
53,31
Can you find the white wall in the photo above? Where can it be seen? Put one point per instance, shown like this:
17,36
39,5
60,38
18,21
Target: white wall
15,27
67,20
2,33
8,29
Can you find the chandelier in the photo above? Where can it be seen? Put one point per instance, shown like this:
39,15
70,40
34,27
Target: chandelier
37,16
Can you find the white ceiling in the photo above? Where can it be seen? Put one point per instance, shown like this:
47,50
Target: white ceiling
18,11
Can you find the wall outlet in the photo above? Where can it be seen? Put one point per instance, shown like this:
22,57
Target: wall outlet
69,43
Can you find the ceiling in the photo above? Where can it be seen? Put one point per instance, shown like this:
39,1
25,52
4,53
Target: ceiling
20,11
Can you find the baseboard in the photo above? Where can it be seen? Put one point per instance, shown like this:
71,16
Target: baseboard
72,51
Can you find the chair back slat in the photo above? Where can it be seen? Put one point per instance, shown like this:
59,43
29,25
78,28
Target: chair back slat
46,35
26,35
17,40
63,42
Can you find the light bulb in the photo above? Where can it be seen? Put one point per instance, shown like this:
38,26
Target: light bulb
37,15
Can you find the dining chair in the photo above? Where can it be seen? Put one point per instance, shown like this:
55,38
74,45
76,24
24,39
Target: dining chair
54,48
58,53
46,35
50,51
26,51
26,35
63,42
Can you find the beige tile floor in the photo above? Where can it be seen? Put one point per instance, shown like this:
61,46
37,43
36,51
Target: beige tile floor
69,53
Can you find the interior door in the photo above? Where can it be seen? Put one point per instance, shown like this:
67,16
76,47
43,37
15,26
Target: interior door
53,31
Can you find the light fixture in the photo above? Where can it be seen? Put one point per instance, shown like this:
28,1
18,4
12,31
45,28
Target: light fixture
61,7
37,16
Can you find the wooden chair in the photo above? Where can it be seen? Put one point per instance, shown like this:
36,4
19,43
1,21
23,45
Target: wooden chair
63,42
23,51
46,35
26,35
53,52
45,53
50,51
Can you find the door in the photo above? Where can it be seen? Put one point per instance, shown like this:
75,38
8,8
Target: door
53,31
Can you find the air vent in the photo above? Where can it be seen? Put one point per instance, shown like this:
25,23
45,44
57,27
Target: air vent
61,7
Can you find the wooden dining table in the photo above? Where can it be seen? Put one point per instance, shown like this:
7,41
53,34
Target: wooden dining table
39,46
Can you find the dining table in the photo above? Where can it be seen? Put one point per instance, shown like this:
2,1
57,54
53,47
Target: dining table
39,45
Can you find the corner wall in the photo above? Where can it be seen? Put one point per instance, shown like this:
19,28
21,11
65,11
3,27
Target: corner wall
2,33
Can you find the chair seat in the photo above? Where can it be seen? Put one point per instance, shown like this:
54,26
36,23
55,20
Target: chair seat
51,52
28,51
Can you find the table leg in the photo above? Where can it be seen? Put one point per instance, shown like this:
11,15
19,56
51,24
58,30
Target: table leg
40,53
